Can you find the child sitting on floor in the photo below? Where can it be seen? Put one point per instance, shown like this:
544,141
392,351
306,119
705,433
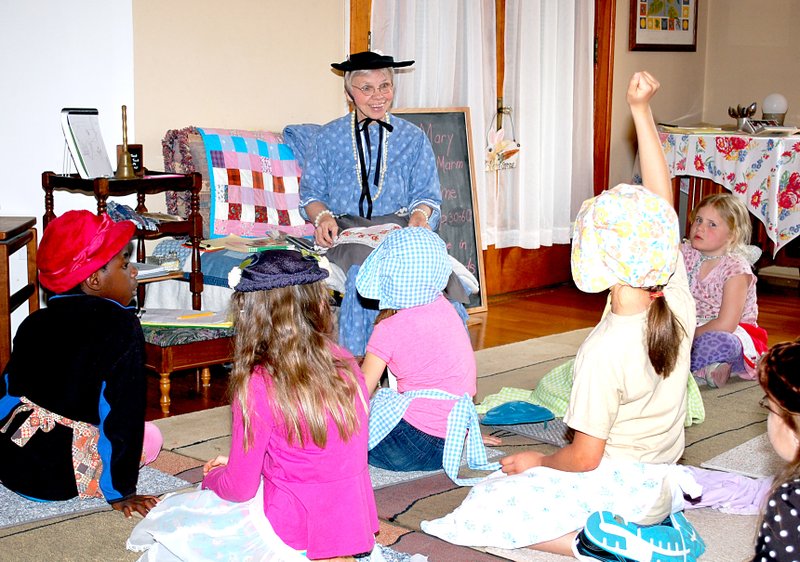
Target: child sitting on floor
628,400
728,339
779,376
299,432
420,337
72,397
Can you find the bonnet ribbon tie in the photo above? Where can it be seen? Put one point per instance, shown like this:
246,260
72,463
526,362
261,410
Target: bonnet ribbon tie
365,191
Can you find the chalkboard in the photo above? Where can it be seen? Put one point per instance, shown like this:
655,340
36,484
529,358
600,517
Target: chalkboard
450,134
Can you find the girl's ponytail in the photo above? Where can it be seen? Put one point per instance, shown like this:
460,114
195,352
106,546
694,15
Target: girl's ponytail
664,333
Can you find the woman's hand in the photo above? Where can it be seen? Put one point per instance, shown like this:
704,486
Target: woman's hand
221,460
326,231
419,216
139,504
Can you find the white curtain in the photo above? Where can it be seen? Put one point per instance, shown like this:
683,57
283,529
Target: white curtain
453,44
549,48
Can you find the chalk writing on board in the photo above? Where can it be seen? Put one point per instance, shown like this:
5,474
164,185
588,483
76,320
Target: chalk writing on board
448,131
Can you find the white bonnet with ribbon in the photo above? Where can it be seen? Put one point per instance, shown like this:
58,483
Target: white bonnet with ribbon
624,235
409,268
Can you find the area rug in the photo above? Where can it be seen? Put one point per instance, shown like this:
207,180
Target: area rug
754,458
17,510
733,417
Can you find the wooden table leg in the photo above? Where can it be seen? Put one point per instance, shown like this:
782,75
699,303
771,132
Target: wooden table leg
165,401
33,300
205,380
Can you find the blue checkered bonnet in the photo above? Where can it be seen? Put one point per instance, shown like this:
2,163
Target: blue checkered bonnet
409,268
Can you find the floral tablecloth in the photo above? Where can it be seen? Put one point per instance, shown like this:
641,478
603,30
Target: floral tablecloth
763,171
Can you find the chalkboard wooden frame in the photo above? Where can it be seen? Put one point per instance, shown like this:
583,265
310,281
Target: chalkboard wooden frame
459,119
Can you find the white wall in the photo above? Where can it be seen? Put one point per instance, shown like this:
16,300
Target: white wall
751,54
56,54
245,64
745,51
680,98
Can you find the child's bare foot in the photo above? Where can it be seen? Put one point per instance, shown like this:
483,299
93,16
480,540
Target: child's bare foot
716,375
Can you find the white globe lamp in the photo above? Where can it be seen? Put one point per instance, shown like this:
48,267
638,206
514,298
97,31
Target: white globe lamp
774,107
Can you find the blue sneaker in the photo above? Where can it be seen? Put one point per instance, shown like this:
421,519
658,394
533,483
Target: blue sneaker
691,537
586,550
651,543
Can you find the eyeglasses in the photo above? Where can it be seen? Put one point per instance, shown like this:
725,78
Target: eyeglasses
764,403
370,90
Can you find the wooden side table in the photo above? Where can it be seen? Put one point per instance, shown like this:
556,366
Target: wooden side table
151,183
15,232
176,349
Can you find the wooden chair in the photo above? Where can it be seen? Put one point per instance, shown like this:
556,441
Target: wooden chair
15,233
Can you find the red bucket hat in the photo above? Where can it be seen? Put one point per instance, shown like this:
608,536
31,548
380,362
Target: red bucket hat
77,244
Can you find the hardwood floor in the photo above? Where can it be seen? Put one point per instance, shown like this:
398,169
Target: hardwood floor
509,318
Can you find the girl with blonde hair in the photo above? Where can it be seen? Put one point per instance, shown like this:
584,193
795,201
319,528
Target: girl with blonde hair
728,339
296,483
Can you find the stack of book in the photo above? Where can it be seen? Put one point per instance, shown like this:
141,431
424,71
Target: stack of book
274,241
152,270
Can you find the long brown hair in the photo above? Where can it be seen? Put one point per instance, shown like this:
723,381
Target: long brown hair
664,333
779,376
288,330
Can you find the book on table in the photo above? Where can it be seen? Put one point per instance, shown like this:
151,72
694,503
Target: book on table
169,317
152,270
81,127
272,241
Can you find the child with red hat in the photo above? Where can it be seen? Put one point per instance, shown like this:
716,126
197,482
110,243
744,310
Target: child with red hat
72,396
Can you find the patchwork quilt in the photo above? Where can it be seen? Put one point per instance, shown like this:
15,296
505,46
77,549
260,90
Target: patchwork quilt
254,180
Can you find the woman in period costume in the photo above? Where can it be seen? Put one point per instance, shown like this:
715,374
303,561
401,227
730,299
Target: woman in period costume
367,168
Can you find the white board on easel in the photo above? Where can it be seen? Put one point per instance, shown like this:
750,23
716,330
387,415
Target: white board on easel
81,127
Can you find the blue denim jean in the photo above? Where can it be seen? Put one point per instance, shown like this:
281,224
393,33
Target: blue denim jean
406,449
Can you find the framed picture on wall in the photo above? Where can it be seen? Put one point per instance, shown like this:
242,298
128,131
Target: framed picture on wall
663,25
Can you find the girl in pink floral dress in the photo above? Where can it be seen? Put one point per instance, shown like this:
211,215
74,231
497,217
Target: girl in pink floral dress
728,339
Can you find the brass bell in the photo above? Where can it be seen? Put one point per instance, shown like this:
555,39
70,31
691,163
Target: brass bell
124,161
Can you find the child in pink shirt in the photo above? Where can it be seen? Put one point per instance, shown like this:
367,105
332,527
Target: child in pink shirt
420,337
299,431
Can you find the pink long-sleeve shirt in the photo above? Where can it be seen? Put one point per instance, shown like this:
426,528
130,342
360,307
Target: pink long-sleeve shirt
318,500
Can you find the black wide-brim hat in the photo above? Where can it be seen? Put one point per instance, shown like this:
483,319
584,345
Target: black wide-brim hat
369,60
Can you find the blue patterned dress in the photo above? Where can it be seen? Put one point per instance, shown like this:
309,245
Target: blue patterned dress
331,176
